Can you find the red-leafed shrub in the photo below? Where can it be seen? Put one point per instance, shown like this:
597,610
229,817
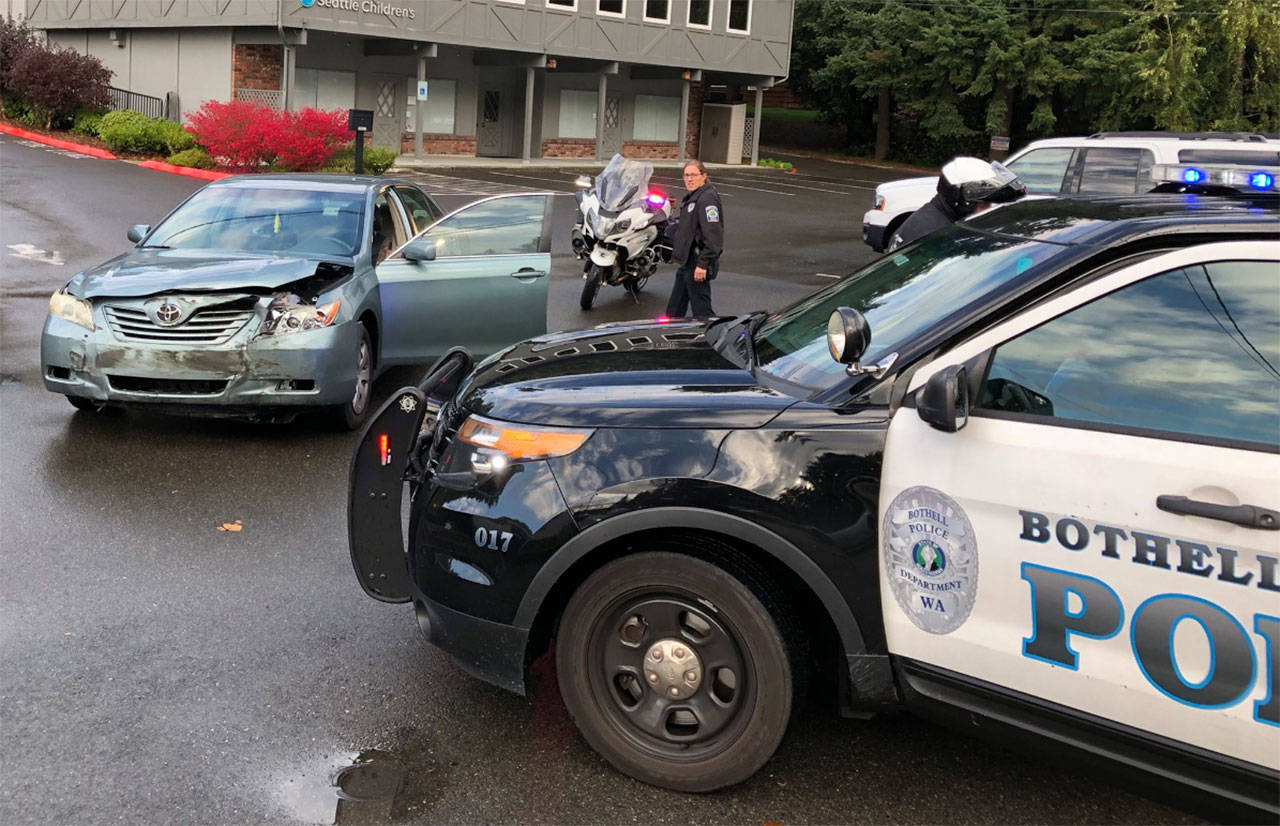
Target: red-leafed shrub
314,136
248,136
54,83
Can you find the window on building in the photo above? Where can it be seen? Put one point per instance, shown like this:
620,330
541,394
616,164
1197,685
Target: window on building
566,5
437,114
577,114
740,16
699,14
657,118
612,8
657,11
324,89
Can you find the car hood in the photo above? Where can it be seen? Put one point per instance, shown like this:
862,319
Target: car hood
639,374
908,185
144,272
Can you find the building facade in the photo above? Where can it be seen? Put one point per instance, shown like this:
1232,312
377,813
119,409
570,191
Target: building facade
501,78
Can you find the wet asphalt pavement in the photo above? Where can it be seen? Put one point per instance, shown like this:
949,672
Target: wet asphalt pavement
156,670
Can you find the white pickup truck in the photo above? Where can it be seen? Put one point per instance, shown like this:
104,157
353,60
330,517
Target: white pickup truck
1106,163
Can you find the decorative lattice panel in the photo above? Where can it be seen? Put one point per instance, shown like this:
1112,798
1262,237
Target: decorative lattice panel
612,112
273,98
492,106
387,93
748,133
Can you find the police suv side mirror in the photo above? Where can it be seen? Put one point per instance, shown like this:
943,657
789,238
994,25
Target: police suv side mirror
419,251
137,232
943,402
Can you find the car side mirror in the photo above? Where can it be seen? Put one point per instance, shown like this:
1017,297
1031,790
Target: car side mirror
944,400
419,251
137,232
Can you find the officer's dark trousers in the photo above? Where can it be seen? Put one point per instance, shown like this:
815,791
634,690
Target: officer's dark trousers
686,291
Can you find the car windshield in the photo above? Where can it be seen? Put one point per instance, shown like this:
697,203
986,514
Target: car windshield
622,183
903,296
273,220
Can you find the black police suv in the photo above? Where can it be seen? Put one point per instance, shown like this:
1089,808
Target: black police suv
1020,475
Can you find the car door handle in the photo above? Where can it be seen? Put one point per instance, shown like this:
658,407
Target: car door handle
1251,516
529,272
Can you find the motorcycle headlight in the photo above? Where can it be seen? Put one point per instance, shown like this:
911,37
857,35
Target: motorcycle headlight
283,318
76,310
621,226
503,443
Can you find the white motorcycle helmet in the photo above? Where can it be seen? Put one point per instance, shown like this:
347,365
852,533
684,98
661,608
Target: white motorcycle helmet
966,182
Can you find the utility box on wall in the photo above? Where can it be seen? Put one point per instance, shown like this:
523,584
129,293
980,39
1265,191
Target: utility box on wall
722,127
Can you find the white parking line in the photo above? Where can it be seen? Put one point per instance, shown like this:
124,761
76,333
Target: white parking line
827,275
33,253
803,186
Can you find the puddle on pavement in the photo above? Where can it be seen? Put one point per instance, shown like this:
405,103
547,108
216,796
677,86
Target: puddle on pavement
373,786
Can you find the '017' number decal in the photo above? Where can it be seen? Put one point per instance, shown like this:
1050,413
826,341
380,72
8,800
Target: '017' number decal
493,540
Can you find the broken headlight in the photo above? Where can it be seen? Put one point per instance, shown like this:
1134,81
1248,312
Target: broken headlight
286,315
76,310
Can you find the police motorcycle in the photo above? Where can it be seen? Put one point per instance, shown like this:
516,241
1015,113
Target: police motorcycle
618,234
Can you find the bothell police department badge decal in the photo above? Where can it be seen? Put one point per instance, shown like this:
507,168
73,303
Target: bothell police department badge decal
930,558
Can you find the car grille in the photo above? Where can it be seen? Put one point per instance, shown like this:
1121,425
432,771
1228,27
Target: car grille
172,387
210,326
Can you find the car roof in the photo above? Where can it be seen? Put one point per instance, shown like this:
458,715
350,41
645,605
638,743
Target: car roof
314,182
1165,145
1094,220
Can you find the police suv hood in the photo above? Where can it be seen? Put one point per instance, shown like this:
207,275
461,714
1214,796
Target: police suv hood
638,374
144,272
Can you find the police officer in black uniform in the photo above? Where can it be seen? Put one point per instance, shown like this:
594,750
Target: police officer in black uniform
966,185
696,241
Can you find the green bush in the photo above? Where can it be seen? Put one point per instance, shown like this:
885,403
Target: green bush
130,131
87,122
194,157
376,161
15,108
770,162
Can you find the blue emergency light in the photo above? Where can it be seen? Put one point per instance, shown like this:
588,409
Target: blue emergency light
1192,176
1261,180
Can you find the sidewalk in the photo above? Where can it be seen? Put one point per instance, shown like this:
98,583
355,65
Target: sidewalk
408,163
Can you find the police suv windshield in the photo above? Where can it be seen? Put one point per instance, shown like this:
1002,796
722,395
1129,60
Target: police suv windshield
903,296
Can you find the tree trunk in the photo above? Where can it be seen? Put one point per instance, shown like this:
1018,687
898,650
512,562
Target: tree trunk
883,115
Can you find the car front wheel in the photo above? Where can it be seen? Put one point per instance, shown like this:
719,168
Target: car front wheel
351,415
676,671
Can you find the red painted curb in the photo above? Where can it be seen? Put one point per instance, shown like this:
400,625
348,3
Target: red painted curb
189,171
91,151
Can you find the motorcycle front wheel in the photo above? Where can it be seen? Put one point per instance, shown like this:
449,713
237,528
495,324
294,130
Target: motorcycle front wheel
590,287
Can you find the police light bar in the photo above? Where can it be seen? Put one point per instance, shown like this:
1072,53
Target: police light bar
656,199
1240,178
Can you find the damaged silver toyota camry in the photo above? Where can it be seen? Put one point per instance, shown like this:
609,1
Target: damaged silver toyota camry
261,296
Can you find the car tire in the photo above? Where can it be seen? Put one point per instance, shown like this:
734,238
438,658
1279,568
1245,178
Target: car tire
590,287
730,649
351,414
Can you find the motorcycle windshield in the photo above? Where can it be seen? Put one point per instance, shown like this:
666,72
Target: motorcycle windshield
622,183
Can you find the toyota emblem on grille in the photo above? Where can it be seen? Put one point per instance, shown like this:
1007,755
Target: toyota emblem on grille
168,314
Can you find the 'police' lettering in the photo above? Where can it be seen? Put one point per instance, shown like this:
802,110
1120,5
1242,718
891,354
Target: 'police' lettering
1267,710
1052,623
1231,663
1035,526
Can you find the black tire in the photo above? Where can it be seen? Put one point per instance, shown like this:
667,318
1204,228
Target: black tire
590,287
739,686
351,414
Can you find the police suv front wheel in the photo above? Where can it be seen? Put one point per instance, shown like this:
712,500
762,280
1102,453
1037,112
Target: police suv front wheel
676,671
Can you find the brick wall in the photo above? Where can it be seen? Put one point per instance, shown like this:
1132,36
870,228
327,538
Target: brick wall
780,97
256,66
569,148
651,149
440,144
693,129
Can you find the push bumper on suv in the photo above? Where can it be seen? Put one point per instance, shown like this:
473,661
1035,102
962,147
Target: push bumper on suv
247,371
875,229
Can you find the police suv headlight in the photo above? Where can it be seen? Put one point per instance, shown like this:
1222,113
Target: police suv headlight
76,310
506,443
283,317
879,201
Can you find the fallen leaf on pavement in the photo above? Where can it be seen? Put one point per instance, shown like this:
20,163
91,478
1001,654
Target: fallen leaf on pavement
231,527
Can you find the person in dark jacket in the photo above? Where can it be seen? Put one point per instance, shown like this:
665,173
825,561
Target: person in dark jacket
697,240
965,187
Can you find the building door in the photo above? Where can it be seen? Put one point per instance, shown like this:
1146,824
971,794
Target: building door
612,143
490,130
388,111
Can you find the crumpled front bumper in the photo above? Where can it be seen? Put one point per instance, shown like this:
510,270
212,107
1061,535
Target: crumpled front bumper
311,368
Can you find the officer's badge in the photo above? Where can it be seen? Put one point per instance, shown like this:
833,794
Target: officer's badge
713,213
691,206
